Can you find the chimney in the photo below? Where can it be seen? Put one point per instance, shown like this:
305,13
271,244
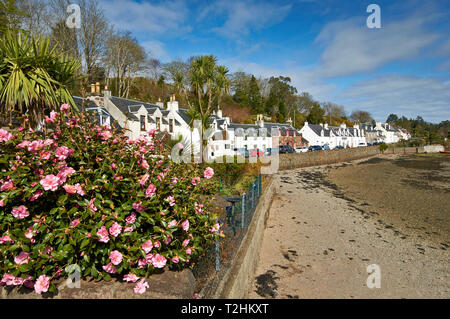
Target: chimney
97,87
219,113
172,105
321,124
326,126
106,93
160,104
92,88
289,121
260,120
343,125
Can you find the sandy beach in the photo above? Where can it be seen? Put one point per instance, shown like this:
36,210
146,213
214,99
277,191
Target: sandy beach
327,224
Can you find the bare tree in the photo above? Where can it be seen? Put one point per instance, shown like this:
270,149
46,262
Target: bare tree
361,116
124,58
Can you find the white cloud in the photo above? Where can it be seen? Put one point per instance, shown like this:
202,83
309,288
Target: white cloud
402,94
351,47
244,16
156,50
304,80
166,17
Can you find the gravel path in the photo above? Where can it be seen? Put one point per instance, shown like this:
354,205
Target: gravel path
319,242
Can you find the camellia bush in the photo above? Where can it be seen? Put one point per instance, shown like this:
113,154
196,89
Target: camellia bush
83,196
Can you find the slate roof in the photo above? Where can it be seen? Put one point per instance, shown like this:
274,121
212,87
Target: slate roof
90,104
123,105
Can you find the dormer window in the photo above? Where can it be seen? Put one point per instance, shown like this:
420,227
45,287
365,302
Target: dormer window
142,121
171,125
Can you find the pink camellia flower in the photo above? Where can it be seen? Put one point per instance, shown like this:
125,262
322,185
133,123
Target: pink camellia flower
70,189
139,207
215,228
141,287
130,278
29,234
152,132
186,242
142,263
116,257
63,152
75,222
174,180
173,223
131,219
113,166
185,225
52,117
160,176
36,146
45,155
36,195
209,172
50,182
144,179
5,136
180,146
147,246
171,200
151,191
106,135
176,260
2,203
65,108
24,144
159,261
109,268
91,205
22,258
103,234
195,181
156,244
115,229
188,251
8,279
64,173
20,212
8,185
128,229
145,165
168,241
42,284
79,189
5,239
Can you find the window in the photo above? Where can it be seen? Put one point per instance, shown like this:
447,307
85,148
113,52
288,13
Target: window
142,122
171,125
227,146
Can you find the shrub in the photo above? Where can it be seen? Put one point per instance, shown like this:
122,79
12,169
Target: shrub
86,195
383,147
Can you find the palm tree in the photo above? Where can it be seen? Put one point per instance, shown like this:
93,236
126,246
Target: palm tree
203,75
34,78
223,83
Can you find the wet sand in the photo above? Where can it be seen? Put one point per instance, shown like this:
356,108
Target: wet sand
327,224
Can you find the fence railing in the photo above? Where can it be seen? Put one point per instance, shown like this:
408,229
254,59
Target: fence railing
235,222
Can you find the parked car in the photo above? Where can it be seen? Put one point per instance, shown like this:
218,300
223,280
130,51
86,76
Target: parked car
302,149
326,147
313,148
283,149
270,151
362,144
256,152
242,152
340,147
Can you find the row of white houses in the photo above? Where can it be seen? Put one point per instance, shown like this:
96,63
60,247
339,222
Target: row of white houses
225,137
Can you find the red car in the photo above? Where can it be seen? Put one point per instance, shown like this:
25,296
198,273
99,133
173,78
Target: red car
256,152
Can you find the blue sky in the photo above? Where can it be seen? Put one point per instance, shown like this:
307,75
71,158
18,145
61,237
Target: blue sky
324,46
